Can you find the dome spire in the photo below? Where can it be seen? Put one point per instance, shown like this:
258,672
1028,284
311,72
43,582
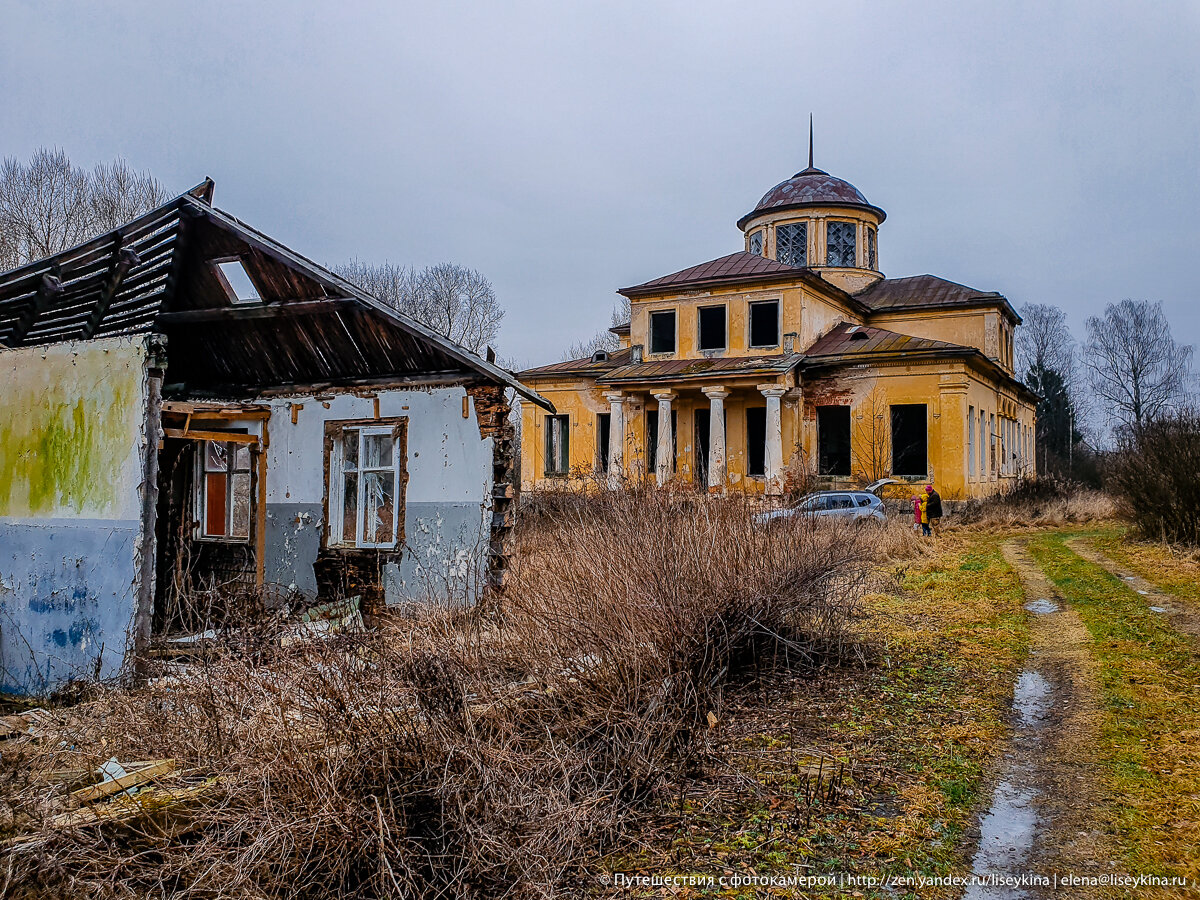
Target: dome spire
811,170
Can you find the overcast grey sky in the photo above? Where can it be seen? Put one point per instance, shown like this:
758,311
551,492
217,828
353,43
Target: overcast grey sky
1045,150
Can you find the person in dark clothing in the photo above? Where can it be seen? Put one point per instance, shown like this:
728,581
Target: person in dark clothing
933,506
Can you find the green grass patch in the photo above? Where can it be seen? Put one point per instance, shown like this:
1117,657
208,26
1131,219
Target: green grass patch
1150,736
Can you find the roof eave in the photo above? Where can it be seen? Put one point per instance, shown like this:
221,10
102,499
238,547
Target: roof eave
828,204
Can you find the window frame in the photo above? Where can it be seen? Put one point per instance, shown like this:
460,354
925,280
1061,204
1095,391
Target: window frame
674,314
230,291
335,479
230,472
853,230
760,235
700,310
872,248
803,226
564,454
750,323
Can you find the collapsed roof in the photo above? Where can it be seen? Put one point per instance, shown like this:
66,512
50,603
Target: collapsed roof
296,325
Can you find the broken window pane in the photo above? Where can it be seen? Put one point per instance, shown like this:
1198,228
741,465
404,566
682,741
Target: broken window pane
378,507
350,450
756,243
241,505
377,451
791,244
839,236
241,457
216,456
350,508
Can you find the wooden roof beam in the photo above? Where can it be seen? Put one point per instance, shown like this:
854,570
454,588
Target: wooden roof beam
274,310
49,289
124,259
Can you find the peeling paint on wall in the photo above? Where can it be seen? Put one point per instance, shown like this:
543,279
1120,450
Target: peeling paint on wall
72,439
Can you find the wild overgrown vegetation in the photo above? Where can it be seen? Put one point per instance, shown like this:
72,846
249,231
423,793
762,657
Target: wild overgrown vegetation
462,753
1155,474
1041,503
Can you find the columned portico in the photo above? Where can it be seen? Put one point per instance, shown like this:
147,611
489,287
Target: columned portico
664,455
616,438
773,452
716,395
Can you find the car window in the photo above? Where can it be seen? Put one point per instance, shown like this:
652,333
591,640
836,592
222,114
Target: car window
840,501
863,500
808,503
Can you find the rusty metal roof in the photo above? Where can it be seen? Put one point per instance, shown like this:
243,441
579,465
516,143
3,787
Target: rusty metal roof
588,366
847,339
669,370
307,327
740,266
812,187
928,291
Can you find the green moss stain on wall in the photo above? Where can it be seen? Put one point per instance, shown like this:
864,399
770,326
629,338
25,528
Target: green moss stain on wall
70,422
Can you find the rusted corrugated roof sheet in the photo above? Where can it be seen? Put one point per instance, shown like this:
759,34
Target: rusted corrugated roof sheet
306,327
920,291
739,266
588,366
688,369
847,339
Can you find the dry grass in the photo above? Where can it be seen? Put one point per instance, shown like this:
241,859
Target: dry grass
1034,504
457,754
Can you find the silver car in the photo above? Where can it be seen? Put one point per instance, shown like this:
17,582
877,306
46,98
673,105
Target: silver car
863,505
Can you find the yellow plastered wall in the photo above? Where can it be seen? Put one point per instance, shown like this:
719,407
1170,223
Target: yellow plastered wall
802,313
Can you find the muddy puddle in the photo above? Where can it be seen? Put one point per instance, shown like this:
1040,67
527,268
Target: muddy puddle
1009,827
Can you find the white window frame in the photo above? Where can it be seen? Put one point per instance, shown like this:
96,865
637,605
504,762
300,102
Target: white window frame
231,470
337,483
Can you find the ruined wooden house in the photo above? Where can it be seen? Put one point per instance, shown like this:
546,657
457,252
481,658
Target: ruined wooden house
194,412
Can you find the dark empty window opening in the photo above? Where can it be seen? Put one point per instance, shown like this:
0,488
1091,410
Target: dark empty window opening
662,331
840,241
711,328
910,440
833,440
652,440
791,244
558,445
764,324
603,426
756,441
237,282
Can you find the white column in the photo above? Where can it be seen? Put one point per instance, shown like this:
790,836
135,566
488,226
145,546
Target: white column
616,438
716,395
774,449
664,461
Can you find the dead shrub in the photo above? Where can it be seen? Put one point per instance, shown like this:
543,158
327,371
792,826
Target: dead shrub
452,754
1155,475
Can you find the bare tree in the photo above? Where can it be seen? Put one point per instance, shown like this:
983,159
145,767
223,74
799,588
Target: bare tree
453,300
872,437
1135,366
603,339
1043,341
49,204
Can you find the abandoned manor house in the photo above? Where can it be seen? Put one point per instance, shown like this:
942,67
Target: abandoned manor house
194,412
793,355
